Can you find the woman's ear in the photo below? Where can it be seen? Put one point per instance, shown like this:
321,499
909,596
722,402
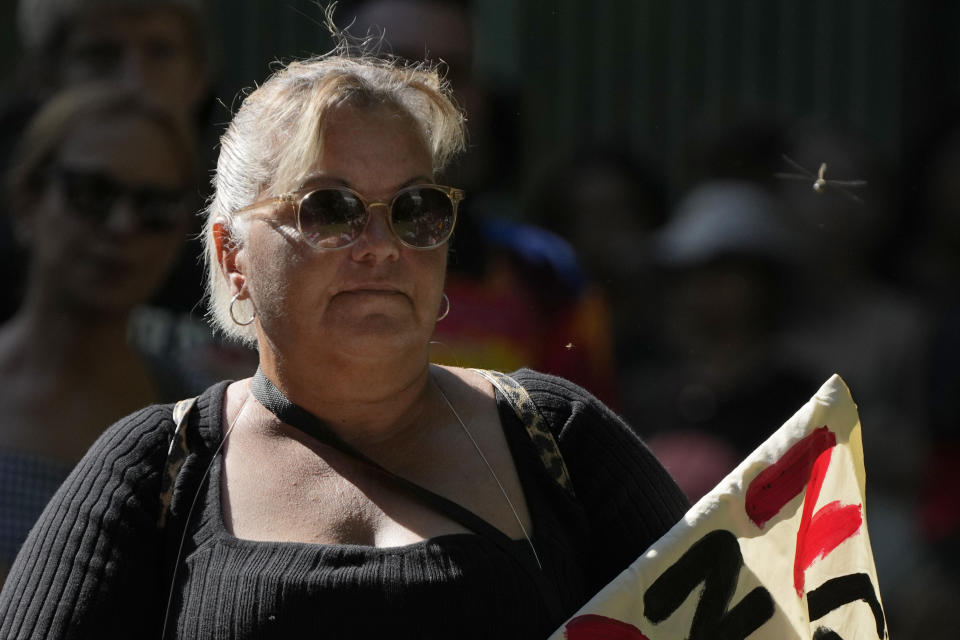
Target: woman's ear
231,258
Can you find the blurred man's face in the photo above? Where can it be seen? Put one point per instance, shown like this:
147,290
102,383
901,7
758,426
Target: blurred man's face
147,50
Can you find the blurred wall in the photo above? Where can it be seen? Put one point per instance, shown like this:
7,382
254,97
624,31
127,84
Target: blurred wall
655,72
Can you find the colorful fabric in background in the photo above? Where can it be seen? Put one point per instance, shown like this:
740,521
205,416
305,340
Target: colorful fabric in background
528,306
779,549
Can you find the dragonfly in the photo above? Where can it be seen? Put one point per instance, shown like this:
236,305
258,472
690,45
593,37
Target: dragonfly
820,181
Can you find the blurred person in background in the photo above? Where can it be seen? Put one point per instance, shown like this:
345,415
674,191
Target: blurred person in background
721,388
100,194
159,48
518,294
607,203
162,49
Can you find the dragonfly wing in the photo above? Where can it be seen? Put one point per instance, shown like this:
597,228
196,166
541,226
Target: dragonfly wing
847,183
848,194
796,166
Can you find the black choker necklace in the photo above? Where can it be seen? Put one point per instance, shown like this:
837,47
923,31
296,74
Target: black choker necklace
294,415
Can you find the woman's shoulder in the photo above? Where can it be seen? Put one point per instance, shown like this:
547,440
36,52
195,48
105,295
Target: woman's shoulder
564,404
145,433
610,466
551,386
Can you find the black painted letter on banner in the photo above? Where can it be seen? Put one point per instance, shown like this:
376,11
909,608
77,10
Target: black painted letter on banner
837,592
715,560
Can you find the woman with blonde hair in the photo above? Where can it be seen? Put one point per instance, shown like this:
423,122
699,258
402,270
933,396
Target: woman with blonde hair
350,488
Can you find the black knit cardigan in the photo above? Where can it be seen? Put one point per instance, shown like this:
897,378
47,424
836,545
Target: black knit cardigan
97,565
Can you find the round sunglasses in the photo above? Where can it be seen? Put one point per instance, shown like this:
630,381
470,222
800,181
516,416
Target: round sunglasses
421,216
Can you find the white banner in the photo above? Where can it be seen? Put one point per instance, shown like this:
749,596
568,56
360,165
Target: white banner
779,549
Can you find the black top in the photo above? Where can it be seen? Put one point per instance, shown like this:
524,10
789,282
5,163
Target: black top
97,565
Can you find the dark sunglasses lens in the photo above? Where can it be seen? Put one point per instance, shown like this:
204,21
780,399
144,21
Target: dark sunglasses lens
159,210
89,194
331,218
423,217
94,195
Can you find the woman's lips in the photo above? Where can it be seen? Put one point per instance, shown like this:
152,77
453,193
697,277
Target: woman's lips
371,293
364,293
382,289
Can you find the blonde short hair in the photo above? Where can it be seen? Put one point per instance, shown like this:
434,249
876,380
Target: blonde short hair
277,134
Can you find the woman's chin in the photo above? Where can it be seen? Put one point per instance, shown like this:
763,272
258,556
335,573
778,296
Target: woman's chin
379,326
380,334
373,316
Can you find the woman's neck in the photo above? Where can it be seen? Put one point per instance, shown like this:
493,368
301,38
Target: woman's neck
369,403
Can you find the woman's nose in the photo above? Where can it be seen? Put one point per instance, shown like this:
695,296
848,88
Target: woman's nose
377,240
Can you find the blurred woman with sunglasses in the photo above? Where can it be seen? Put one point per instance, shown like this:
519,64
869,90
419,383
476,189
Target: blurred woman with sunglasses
98,192
350,488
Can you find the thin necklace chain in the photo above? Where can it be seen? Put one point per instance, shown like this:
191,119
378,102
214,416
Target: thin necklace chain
490,469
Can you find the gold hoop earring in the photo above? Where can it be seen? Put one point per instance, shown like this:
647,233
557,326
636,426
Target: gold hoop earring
233,301
446,310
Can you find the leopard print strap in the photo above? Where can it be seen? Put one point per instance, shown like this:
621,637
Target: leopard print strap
535,424
176,455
